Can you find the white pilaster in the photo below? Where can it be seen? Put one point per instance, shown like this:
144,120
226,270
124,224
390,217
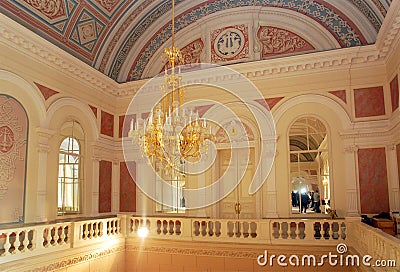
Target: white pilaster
352,195
393,178
115,187
41,196
146,178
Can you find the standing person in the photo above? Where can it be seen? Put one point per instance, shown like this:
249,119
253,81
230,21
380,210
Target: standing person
317,202
304,202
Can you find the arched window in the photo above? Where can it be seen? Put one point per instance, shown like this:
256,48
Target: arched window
69,173
309,166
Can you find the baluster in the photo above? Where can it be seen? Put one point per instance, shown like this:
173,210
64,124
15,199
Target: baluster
326,229
297,230
196,228
284,229
112,226
115,226
210,226
203,228
46,237
218,230
108,227
343,234
22,240
66,234
171,227
230,229
12,238
309,230
280,229
224,229
85,231
165,226
245,229
237,229
158,227
31,238
7,244
253,229
178,225
53,235
333,233
61,235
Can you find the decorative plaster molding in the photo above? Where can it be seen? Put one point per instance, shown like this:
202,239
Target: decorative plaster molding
234,253
33,45
351,148
389,31
78,259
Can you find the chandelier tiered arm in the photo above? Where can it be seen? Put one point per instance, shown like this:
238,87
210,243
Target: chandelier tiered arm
172,134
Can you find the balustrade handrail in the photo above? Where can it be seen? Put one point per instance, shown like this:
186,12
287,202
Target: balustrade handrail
32,240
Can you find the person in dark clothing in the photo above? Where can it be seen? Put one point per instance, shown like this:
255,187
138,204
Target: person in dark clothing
317,202
304,202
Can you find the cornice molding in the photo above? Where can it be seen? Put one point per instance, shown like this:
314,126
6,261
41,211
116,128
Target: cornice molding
36,47
389,32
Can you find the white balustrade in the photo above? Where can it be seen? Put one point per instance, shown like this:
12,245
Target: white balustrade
374,242
17,243
24,242
314,231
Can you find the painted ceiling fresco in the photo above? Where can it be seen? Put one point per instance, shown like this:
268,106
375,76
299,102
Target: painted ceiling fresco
120,38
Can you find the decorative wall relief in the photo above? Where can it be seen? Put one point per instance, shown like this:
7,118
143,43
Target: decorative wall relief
229,43
277,41
190,54
13,148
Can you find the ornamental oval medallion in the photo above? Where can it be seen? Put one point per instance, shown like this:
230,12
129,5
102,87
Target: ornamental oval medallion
229,43
6,139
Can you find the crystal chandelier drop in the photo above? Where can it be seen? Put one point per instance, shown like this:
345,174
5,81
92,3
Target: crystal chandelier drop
172,134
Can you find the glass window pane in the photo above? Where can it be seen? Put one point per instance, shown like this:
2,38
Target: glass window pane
68,176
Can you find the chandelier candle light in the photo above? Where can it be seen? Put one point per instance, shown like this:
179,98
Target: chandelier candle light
171,134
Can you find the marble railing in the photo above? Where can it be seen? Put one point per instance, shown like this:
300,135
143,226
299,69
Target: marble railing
272,231
24,242
374,242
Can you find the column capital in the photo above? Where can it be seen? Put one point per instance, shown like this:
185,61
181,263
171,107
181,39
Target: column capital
350,148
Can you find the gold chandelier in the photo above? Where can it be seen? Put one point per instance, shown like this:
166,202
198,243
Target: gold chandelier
172,134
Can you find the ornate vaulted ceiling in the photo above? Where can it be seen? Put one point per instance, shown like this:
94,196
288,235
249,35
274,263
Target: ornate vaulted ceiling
124,39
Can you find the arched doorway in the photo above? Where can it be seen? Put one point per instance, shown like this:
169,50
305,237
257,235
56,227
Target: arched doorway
309,166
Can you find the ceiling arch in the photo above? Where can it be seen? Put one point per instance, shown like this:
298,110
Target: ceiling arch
119,38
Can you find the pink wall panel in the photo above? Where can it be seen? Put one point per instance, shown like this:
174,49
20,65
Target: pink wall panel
13,143
341,94
105,179
107,124
127,197
123,132
369,102
394,93
398,161
373,180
